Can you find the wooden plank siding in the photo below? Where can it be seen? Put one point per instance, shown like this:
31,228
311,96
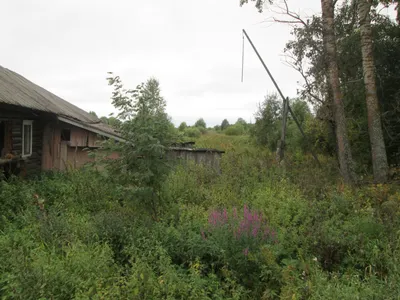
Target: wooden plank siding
61,154
14,117
210,158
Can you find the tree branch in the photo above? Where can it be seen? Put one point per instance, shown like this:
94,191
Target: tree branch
296,65
296,19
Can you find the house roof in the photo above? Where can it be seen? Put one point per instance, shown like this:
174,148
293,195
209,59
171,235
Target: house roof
17,90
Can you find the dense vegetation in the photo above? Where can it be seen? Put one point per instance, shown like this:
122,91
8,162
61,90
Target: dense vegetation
145,227
253,232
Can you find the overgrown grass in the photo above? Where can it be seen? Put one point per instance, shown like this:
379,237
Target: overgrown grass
85,237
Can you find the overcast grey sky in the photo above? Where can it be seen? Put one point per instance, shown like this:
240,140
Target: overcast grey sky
192,46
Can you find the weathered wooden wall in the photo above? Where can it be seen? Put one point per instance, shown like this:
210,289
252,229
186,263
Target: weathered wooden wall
14,118
209,158
60,155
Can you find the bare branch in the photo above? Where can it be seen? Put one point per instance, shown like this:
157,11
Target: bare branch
292,14
296,65
284,10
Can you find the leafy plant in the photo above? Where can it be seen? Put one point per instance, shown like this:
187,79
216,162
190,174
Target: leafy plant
142,165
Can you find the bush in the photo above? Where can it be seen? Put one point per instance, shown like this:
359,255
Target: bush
192,132
236,129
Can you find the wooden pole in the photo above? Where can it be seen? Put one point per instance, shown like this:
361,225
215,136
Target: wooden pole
280,152
283,97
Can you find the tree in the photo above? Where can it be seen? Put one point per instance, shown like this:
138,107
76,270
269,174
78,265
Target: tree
241,121
200,123
267,125
114,122
224,124
300,110
330,59
104,119
148,132
294,139
378,150
305,54
93,113
344,151
182,126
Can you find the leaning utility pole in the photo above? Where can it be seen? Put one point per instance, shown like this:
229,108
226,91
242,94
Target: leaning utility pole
285,103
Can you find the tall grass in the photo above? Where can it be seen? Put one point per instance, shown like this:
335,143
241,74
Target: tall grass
80,235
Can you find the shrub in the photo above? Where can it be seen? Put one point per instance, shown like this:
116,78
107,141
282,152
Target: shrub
14,197
237,129
192,132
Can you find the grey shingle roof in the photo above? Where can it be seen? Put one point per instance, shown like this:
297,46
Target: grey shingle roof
17,90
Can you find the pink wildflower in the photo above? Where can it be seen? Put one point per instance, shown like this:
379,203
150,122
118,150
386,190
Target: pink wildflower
235,212
225,216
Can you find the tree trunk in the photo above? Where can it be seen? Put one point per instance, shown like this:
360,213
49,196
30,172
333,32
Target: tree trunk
344,152
378,150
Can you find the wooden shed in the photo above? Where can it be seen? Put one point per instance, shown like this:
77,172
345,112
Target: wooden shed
206,156
41,131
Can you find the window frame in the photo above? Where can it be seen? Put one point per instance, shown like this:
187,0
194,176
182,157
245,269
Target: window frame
24,123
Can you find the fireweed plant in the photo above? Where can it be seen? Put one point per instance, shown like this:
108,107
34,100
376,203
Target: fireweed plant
243,234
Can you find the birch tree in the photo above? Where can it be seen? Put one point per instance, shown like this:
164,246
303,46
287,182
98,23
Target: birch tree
344,151
378,150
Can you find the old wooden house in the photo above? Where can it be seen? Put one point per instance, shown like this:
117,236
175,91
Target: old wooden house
41,131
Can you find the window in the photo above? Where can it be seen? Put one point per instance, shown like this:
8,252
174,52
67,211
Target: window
26,138
66,135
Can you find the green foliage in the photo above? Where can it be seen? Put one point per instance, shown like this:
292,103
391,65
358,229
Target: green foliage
147,130
241,121
224,124
217,127
93,113
305,49
259,3
112,121
237,129
104,119
267,125
182,126
200,123
82,234
192,132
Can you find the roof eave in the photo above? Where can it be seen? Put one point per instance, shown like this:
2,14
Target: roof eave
89,128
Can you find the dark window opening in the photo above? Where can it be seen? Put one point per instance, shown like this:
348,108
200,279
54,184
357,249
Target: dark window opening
2,137
66,135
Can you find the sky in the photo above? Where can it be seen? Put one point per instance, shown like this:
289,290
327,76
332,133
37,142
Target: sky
193,47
